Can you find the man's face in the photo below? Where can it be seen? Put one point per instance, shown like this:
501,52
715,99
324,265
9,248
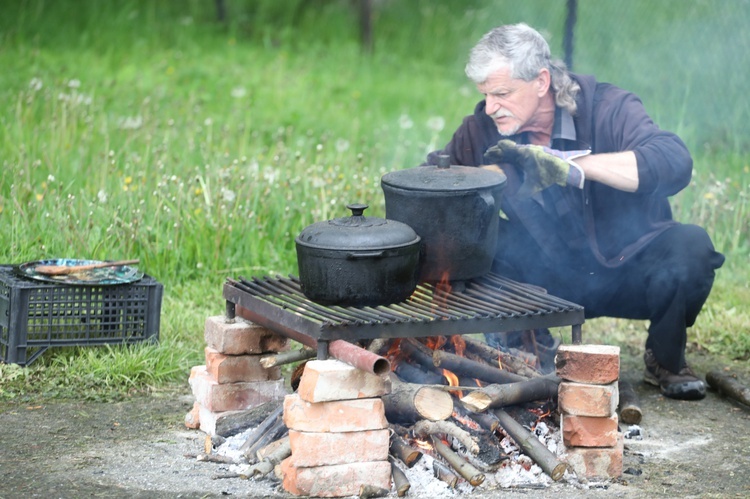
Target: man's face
511,102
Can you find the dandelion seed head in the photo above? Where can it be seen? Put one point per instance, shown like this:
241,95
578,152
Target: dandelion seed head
36,84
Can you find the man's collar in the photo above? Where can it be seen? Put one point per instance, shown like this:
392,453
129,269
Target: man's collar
564,128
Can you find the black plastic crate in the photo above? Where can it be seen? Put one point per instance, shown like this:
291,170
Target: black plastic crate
35,315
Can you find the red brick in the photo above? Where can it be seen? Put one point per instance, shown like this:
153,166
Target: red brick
334,416
595,364
338,480
322,449
585,399
192,418
328,380
219,397
584,431
242,337
233,368
595,462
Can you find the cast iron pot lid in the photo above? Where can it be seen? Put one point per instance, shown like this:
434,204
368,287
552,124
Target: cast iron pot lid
444,177
358,232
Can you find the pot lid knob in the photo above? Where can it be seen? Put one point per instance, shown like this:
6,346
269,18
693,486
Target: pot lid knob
357,209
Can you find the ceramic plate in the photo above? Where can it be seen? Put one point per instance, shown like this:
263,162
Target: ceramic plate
121,274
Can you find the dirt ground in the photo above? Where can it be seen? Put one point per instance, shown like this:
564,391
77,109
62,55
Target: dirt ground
138,448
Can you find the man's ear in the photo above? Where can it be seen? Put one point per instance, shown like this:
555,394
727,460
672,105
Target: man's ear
543,81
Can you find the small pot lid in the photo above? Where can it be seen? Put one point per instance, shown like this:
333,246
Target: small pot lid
444,178
357,232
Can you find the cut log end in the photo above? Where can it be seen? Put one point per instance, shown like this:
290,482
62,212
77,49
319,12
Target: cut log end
435,405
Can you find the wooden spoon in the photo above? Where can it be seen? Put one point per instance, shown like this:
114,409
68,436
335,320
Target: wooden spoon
71,269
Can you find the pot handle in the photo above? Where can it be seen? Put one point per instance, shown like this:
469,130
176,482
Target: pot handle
365,254
489,200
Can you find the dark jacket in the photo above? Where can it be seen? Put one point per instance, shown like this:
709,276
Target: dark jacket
599,225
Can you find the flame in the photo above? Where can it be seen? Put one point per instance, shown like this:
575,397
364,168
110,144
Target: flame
499,362
423,444
452,381
435,342
394,353
459,344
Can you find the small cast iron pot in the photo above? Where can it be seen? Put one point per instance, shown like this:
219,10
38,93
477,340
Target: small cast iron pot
358,260
454,209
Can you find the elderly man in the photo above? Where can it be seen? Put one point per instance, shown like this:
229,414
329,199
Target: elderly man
586,213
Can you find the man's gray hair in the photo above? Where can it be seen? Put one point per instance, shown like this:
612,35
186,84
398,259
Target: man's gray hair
525,52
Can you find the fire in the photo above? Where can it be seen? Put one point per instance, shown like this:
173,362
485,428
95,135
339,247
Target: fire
452,381
435,342
423,444
459,345
499,363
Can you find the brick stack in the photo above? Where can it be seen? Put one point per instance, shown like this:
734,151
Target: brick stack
338,432
587,400
232,378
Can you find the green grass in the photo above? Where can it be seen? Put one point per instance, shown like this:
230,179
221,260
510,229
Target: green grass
136,129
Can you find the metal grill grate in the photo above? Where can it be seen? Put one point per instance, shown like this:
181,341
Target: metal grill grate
491,303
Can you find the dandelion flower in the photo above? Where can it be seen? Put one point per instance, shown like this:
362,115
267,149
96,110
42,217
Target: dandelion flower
342,145
35,84
405,122
131,122
239,92
74,83
436,123
227,194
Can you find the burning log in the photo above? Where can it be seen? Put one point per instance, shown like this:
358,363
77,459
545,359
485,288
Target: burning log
486,420
270,425
418,352
729,386
410,402
531,446
629,405
400,481
443,473
413,374
494,396
267,464
403,451
467,471
424,429
286,357
465,367
367,491
493,356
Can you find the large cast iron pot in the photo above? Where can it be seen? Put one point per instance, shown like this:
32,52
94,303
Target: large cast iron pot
454,209
358,260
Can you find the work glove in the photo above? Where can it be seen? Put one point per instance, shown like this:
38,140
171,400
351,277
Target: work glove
542,166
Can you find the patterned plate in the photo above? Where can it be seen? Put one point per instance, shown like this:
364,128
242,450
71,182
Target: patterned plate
122,274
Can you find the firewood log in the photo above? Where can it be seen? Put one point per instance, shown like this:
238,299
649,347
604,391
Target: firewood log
729,386
465,367
466,470
282,358
231,423
400,481
367,491
443,473
494,396
424,429
493,355
403,451
408,403
270,423
531,446
629,405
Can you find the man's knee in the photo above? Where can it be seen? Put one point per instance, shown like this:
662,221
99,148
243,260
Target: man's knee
689,248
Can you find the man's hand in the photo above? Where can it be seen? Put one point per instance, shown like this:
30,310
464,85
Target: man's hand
543,167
